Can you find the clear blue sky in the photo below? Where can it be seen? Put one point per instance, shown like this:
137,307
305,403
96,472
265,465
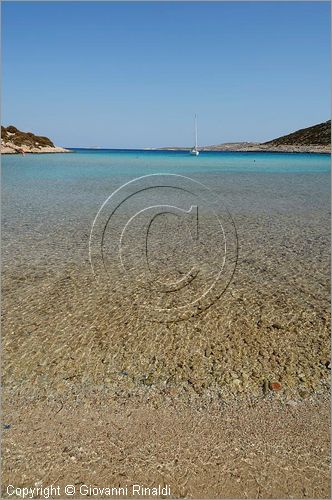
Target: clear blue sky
128,75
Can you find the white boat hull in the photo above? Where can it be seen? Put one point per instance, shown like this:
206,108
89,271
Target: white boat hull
194,152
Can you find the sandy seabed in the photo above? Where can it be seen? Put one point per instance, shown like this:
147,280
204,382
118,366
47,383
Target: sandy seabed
232,402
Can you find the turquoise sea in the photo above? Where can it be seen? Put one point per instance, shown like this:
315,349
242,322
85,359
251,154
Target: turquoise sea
49,201
87,163
40,188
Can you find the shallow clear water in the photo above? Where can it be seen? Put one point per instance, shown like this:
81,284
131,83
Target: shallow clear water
64,191
280,206
49,201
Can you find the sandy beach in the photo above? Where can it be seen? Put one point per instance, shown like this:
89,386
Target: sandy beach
266,449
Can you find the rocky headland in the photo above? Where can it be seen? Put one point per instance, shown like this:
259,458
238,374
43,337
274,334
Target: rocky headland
315,139
14,141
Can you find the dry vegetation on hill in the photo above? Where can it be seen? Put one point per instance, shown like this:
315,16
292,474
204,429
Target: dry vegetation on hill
16,141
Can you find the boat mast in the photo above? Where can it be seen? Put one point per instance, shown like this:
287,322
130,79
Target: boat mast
195,131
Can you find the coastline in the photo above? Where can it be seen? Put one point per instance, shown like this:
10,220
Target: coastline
12,150
253,148
264,148
229,148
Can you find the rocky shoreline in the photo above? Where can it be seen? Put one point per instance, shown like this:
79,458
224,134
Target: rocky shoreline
267,148
14,141
252,147
9,149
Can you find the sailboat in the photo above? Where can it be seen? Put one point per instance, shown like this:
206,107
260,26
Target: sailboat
195,151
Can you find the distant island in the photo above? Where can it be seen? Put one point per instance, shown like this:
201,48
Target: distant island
15,141
315,139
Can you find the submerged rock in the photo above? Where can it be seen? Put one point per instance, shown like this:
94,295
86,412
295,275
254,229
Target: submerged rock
275,386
